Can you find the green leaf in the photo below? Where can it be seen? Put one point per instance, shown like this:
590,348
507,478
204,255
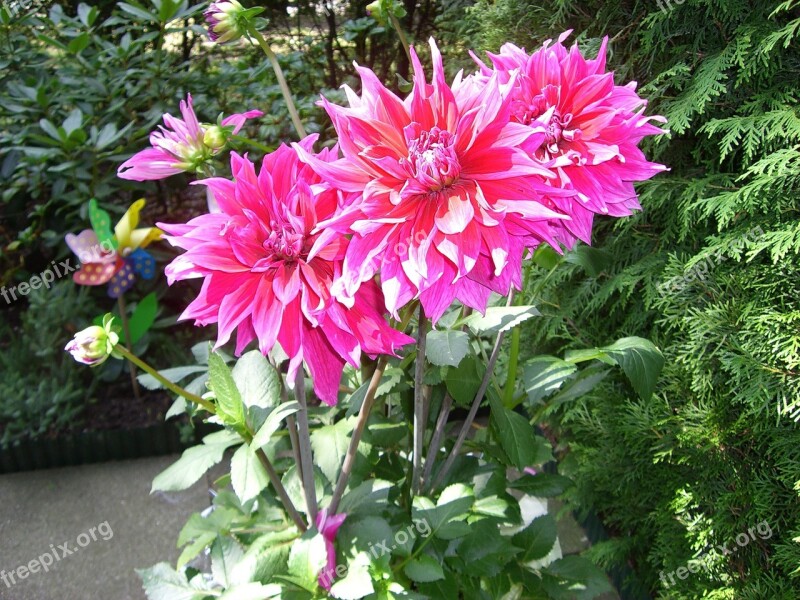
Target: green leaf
143,317
194,462
544,375
446,348
248,475
593,260
330,444
162,582
357,583
225,554
174,375
368,498
500,318
447,519
577,579
542,485
517,437
74,120
78,44
463,382
641,360
230,407
537,539
307,558
273,423
254,591
424,569
137,11
265,558
257,380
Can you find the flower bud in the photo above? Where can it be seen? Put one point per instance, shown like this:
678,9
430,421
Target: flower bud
215,138
93,345
224,21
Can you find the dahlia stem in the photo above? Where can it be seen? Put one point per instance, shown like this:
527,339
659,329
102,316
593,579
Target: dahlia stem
465,428
436,440
401,34
287,94
513,361
306,461
291,425
123,316
352,450
281,491
209,406
173,387
419,403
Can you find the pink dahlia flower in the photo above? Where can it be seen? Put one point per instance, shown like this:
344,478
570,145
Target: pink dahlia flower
442,199
592,128
268,275
179,145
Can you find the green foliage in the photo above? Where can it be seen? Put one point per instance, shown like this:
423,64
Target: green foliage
33,402
709,272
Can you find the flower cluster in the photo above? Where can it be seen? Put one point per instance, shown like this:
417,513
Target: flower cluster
437,196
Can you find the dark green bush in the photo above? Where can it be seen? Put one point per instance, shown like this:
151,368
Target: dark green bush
709,272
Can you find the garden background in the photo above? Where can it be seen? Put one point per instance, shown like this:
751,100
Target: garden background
708,270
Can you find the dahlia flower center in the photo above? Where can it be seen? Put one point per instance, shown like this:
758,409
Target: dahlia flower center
556,124
433,159
285,244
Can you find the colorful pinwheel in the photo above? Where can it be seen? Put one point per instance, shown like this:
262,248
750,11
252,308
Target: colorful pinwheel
114,258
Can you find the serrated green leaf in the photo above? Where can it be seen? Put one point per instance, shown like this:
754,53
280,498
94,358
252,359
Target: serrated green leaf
193,463
446,348
517,437
424,569
641,361
544,375
500,318
248,476
273,422
162,582
230,407
257,380
537,539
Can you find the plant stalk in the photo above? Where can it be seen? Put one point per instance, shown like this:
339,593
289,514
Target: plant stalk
209,406
306,461
123,316
401,34
436,440
476,403
281,491
287,94
352,450
419,403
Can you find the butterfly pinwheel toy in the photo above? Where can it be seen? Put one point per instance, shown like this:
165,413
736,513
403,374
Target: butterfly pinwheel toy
117,257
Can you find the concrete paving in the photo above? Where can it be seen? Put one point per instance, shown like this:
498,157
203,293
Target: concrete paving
111,525
106,516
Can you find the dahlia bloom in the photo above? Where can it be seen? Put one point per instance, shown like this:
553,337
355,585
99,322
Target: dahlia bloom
268,275
180,145
328,526
592,128
441,198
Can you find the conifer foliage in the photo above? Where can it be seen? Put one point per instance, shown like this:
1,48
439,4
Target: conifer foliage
709,272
